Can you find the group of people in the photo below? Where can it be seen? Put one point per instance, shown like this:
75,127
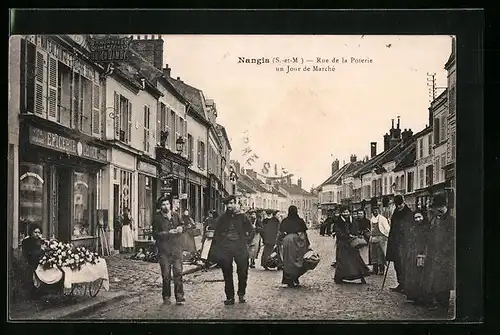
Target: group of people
420,244
237,237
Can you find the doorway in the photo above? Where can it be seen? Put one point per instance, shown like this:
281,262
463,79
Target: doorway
64,195
117,229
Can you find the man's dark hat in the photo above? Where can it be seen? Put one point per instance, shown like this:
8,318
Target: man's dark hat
438,200
269,211
374,202
227,199
343,208
398,200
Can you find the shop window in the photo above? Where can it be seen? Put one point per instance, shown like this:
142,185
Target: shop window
145,207
31,198
82,222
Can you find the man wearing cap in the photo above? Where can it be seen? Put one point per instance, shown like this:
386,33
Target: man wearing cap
378,241
233,232
397,244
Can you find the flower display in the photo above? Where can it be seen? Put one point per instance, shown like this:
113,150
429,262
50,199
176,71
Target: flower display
58,254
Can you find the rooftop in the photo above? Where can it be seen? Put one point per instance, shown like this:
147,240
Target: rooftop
192,94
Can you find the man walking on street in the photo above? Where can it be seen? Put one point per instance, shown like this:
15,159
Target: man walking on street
167,231
401,222
233,232
378,241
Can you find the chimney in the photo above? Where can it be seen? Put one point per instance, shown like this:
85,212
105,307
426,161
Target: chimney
407,134
387,138
392,123
353,158
150,49
299,183
335,166
373,149
398,122
166,71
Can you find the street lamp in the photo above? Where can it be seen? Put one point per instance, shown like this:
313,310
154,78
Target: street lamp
179,144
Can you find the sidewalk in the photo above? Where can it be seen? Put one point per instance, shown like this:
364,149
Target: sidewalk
127,278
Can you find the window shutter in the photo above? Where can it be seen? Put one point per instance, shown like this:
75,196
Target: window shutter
117,115
185,139
437,129
76,102
129,116
87,105
53,109
40,107
159,126
96,112
442,128
198,146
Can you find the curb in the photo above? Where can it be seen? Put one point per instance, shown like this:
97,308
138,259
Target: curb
85,310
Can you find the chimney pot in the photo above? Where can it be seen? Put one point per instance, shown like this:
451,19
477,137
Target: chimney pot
178,78
392,123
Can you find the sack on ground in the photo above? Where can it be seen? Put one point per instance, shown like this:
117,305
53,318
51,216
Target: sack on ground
311,260
274,260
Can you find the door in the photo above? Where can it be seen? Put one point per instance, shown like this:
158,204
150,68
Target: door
116,215
64,219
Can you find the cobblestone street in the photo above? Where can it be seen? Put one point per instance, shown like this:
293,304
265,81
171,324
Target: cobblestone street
318,298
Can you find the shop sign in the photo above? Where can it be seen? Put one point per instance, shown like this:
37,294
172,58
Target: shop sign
67,145
109,48
146,167
183,196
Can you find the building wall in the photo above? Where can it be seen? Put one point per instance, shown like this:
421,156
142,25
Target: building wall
198,131
451,128
425,158
125,157
14,82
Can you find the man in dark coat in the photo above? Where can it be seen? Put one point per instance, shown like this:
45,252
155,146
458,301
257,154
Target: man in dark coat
401,222
233,232
167,231
269,236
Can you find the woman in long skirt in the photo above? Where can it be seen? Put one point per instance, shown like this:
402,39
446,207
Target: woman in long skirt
188,241
350,266
127,231
414,269
293,238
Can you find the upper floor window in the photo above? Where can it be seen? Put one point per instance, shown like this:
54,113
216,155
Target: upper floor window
201,155
190,145
421,179
429,149
421,148
437,130
123,118
451,99
453,145
53,90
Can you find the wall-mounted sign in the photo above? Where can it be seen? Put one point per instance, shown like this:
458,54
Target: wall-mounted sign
67,145
109,48
146,167
183,196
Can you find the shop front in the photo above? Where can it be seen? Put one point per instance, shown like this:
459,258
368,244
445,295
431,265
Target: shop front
58,183
173,178
197,183
147,181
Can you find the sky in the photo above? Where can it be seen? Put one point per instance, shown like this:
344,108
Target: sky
303,120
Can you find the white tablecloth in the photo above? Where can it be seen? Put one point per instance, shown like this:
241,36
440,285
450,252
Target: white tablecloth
87,274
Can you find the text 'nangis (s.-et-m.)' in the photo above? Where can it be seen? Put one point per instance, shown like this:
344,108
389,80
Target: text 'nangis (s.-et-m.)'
301,64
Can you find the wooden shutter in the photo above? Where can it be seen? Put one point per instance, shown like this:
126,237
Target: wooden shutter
129,116
96,113
198,146
117,115
53,108
437,138
185,139
87,107
40,107
159,126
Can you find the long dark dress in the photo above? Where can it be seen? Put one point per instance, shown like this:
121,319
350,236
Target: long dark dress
295,244
350,265
439,273
269,235
417,238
